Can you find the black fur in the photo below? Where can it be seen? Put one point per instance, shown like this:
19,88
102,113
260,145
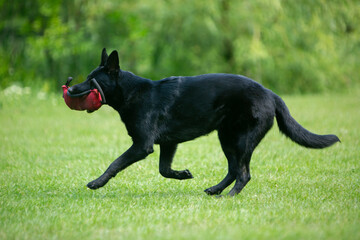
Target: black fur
178,109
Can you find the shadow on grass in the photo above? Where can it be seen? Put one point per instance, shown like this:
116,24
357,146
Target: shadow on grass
138,194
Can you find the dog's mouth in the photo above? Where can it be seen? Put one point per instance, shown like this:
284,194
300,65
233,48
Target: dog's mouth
89,100
86,92
80,94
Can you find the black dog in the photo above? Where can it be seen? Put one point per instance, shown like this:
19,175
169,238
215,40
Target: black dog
178,109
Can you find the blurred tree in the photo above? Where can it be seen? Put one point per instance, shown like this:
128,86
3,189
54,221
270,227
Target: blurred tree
289,46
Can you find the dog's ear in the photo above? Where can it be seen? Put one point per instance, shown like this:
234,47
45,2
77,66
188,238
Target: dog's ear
104,57
112,63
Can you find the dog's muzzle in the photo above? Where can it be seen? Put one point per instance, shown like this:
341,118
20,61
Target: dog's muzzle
90,100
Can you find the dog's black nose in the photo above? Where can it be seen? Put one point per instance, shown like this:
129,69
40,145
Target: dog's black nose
70,89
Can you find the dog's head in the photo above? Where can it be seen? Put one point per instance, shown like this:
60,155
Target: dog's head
91,94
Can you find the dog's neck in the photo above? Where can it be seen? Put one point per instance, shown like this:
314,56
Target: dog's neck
127,90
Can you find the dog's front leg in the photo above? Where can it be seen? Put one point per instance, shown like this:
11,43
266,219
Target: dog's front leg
167,152
135,153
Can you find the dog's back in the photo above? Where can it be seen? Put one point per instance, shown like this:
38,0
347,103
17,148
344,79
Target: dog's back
188,107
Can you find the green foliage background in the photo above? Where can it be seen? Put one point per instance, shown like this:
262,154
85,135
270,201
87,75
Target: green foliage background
288,46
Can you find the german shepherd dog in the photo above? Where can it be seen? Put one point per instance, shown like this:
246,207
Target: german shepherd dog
178,109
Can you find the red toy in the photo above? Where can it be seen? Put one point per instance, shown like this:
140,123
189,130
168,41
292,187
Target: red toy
91,100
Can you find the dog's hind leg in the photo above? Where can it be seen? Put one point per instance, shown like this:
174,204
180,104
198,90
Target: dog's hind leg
167,152
229,151
246,144
243,174
238,154
238,146
228,145
217,189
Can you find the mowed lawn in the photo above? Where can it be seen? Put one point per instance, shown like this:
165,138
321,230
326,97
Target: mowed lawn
48,153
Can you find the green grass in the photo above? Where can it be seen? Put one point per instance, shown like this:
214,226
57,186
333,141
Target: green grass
48,154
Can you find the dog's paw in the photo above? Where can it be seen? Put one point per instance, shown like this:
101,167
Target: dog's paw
95,184
212,191
186,174
92,185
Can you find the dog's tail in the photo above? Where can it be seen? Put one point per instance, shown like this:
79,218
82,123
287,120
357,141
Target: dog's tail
292,129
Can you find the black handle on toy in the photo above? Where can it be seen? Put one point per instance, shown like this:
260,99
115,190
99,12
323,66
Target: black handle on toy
68,81
100,90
